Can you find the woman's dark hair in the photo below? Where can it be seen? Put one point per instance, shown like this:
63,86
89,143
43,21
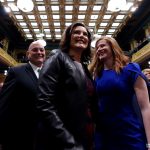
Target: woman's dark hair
66,38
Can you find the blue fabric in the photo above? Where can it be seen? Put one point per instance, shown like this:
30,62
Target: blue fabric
120,127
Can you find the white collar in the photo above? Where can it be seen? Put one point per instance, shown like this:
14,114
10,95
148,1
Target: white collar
34,66
35,69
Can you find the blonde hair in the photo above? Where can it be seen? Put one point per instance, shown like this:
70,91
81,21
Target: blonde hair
146,70
120,59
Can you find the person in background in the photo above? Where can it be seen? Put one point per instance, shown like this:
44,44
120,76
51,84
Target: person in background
66,93
18,99
117,81
147,74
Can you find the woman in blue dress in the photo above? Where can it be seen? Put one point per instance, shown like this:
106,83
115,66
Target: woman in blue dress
117,82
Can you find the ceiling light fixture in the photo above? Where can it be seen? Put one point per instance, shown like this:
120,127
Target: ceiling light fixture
116,5
25,5
95,38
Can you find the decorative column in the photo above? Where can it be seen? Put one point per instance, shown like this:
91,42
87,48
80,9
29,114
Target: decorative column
133,44
147,31
5,43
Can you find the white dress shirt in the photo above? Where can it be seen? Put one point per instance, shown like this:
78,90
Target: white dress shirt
35,69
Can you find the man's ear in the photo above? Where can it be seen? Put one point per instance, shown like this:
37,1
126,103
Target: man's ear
27,54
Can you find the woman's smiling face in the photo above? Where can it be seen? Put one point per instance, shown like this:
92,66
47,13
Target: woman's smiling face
79,38
103,50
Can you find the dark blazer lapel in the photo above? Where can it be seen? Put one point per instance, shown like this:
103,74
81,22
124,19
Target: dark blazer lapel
31,73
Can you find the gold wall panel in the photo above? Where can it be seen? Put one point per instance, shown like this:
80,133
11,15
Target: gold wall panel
142,54
7,59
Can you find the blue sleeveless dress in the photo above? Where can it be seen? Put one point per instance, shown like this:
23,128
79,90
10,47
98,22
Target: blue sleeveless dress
120,126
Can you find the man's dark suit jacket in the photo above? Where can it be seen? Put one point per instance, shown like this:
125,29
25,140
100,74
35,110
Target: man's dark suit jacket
17,108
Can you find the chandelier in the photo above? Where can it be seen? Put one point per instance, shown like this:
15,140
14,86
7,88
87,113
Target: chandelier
25,5
116,5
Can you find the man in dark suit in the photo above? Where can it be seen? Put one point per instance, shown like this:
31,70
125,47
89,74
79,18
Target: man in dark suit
18,100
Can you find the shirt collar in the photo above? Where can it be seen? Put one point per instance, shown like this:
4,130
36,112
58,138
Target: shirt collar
34,66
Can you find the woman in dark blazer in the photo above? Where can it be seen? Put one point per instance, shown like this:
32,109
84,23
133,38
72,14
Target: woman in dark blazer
66,93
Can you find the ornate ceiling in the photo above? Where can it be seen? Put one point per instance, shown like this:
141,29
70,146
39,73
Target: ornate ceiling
49,18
